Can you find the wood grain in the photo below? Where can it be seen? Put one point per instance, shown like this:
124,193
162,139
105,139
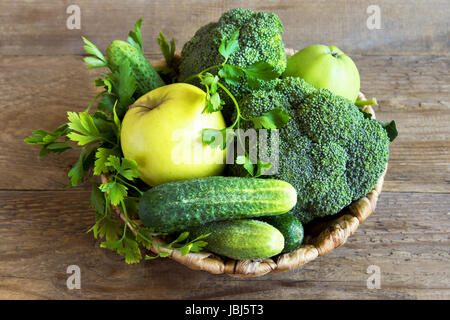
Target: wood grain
407,237
39,27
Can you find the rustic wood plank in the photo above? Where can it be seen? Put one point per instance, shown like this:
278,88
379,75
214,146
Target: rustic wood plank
36,92
39,27
414,92
407,237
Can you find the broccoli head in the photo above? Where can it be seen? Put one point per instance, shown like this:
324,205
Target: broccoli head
328,150
259,40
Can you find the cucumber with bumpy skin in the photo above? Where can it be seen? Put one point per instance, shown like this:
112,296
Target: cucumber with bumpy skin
178,206
146,76
241,239
290,227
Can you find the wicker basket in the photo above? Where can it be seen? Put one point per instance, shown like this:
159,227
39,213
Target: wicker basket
321,236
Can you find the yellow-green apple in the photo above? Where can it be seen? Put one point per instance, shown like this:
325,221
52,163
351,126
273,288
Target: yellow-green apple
162,133
325,67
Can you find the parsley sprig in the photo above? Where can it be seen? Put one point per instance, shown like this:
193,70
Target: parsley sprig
169,70
96,136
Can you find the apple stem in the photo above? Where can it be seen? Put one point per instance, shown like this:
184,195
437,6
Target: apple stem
362,103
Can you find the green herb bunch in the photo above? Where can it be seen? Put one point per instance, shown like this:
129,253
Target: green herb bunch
96,136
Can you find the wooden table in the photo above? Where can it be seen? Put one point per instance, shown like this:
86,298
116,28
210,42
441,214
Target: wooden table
405,64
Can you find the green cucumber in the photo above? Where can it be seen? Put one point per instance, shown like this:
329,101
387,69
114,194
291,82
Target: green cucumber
146,76
241,239
177,206
290,227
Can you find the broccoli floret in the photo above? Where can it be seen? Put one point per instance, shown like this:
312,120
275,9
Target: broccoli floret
328,150
324,116
259,40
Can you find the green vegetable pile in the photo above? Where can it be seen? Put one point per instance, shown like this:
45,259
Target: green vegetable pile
330,153
96,136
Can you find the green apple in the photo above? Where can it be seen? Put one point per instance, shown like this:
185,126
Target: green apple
325,67
162,133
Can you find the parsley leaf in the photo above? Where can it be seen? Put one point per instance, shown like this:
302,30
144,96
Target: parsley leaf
116,191
253,83
197,246
391,129
110,229
144,237
97,198
42,137
48,140
135,37
247,164
126,84
104,82
261,70
102,156
98,60
107,80
106,104
85,128
231,74
213,102
226,49
128,168
58,147
93,62
169,71
194,245
210,80
167,50
126,246
131,250
84,124
99,216
273,119
116,119
183,236
261,167
76,174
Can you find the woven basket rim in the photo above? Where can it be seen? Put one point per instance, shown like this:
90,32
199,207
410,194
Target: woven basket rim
334,233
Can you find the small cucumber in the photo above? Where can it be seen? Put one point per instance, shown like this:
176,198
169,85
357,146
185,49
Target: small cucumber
241,239
177,206
146,76
290,227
